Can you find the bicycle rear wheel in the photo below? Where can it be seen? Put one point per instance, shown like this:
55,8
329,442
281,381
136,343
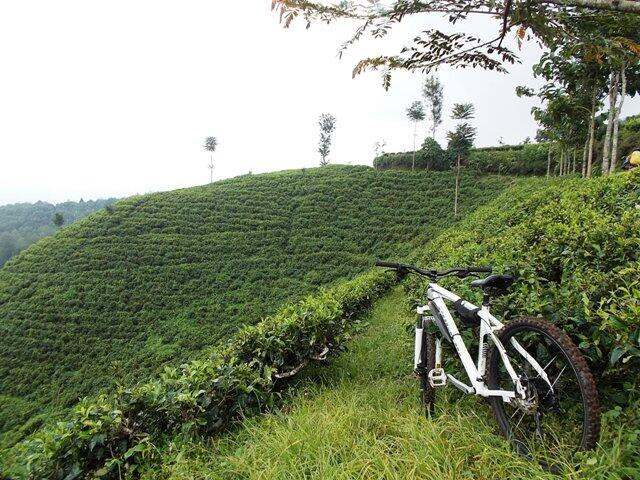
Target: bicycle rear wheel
561,414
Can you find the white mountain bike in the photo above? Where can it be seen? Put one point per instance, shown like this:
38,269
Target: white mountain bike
540,388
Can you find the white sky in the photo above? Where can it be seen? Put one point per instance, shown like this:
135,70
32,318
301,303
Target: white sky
101,99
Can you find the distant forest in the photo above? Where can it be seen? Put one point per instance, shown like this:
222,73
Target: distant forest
22,224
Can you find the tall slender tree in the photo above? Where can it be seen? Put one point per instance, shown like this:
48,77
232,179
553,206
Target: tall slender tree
327,124
616,119
432,91
461,140
415,112
613,100
210,145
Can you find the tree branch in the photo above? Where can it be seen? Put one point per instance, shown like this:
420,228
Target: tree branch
624,6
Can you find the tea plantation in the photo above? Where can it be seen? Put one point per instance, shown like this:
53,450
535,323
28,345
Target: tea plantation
156,278
574,245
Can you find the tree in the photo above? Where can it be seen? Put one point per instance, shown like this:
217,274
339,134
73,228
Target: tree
415,113
460,141
616,120
571,98
433,154
327,124
58,220
432,91
546,21
580,72
8,247
210,145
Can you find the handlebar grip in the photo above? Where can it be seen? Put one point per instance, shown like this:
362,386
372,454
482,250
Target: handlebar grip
382,263
481,269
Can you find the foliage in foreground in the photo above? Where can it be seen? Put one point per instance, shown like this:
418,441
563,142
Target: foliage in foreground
361,418
110,436
157,278
575,249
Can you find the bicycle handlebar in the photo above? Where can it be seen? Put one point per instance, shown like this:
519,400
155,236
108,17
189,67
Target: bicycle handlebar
461,272
382,263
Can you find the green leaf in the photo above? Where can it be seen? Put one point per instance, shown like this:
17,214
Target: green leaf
139,448
616,353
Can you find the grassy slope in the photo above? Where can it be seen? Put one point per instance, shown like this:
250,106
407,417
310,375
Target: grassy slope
360,419
116,295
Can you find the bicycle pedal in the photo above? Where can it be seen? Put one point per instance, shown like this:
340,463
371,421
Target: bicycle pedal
437,377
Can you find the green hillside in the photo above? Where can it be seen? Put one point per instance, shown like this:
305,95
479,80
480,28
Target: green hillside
158,277
574,245
22,224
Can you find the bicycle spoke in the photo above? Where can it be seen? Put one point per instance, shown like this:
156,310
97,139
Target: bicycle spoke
550,361
521,418
558,377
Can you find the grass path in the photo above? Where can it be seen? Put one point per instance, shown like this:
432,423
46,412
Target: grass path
359,418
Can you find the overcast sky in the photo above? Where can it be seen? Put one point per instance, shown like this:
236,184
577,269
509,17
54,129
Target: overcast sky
102,99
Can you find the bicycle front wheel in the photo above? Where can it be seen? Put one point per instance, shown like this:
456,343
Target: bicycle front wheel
560,414
426,363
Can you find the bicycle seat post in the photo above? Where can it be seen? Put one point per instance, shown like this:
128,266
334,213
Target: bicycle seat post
486,299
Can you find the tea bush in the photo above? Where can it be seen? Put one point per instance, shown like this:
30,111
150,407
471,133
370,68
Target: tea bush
108,437
525,159
574,246
156,278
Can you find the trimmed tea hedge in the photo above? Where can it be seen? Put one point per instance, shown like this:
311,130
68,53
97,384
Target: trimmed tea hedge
109,436
527,159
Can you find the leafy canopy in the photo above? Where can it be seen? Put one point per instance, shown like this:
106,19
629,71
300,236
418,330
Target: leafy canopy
461,138
546,21
210,144
432,91
415,112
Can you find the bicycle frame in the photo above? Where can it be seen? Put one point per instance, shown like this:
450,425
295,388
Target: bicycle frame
476,372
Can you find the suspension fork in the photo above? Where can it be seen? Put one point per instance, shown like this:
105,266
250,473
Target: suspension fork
418,341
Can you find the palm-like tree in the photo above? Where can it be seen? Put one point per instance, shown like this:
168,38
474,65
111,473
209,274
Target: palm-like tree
210,145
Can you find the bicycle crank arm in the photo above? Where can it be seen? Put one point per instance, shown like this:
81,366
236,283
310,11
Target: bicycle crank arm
461,386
